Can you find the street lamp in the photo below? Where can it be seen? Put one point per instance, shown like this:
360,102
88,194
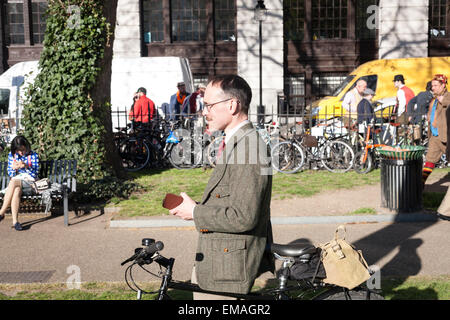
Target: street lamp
260,16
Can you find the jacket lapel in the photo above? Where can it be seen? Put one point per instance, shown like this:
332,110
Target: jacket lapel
219,170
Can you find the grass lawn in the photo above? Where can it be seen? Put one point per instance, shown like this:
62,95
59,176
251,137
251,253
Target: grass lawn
155,184
413,288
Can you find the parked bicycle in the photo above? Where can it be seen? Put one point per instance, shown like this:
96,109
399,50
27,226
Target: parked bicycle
290,285
332,152
137,146
157,146
268,131
367,158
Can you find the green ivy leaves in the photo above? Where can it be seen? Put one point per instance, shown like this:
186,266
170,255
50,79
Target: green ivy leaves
58,115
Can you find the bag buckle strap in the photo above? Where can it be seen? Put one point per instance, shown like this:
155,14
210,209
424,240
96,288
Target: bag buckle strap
338,250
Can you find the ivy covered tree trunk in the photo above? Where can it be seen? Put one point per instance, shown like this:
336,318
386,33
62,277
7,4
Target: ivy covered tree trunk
67,113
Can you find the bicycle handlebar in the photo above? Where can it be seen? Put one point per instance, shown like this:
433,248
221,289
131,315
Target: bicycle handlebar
147,251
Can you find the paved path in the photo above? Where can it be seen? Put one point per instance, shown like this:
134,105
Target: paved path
47,251
93,244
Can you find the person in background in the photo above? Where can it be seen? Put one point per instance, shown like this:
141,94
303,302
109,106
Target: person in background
437,124
443,212
143,109
23,169
417,111
418,106
365,109
404,95
177,100
351,100
193,104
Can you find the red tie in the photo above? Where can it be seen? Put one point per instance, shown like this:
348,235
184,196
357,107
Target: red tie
221,147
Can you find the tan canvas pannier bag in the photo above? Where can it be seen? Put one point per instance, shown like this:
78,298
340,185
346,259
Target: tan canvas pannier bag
344,265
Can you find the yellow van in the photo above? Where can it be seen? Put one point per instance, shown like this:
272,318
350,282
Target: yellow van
379,75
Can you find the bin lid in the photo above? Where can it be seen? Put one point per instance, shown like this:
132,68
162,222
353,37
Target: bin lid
403,152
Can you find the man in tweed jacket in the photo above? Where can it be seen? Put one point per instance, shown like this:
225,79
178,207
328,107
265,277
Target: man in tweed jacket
233,217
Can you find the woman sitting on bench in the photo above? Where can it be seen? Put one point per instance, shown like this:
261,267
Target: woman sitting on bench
23,168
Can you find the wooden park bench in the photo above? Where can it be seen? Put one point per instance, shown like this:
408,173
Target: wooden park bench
57,171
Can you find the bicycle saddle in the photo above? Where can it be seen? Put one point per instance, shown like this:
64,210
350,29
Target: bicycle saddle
291,250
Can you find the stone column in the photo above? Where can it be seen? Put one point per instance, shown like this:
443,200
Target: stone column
403,29
127,43
272,52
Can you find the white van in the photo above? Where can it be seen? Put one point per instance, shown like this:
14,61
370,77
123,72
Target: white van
159,75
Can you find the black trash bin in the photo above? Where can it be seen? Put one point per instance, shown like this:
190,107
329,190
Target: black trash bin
401,179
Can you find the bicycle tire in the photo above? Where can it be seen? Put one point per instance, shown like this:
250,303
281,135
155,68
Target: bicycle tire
355,294
287,157
187,154
361,167
337,156
135,154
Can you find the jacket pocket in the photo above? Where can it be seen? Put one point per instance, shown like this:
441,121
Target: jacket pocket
229,260
221,191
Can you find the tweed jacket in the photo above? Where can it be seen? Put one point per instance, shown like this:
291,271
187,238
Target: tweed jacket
440,117
233,218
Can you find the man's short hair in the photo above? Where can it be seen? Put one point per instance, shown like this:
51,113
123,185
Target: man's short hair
235,87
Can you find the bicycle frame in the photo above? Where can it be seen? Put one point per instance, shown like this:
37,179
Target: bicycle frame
368,145
278,293
311,287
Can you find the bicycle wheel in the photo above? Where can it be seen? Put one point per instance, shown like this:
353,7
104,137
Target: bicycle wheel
135,154
363,167
337,156
287,157
355,294
186,155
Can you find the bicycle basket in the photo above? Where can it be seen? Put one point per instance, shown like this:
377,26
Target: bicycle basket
310,141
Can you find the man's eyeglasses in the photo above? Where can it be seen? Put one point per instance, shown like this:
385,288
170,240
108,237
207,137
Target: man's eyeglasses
210,105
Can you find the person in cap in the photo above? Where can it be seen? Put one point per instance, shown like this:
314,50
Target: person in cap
437,124
365,108
177,100
143,109
404,95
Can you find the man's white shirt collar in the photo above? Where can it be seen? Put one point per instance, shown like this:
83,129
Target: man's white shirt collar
234,130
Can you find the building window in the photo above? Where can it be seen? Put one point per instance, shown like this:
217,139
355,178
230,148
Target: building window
189,20
294,87
153,21
15,22
366,13
200,79
438,18
38,10
324,84
294,19
329,19
225,18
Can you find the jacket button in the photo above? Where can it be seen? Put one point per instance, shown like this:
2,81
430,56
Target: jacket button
225,250
217,195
